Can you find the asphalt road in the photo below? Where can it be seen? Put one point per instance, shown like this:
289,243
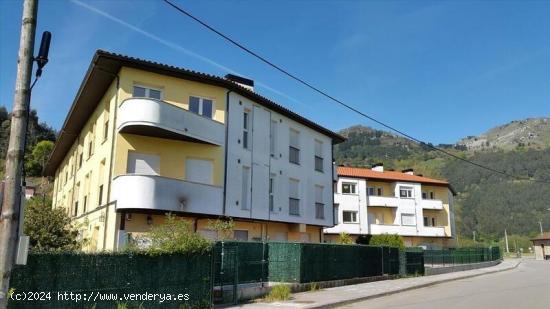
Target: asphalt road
526,287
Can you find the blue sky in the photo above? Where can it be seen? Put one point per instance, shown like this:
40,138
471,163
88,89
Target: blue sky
436,70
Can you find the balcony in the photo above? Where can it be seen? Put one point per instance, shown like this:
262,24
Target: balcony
157,193
150,117
376,229
432,231
432,204
383,201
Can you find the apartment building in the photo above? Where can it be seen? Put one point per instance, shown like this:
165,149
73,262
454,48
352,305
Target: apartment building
143,139
373,201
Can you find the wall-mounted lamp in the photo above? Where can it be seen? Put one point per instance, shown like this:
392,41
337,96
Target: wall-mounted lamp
149,220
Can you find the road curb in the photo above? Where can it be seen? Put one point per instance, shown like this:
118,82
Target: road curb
423,285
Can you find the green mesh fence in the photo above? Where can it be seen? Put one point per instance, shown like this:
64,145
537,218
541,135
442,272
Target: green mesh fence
308,262
414,261
251,262
96,276
461,256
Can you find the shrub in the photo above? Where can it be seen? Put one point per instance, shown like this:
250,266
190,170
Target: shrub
223,227
314,286
279,292
176,236
345,239
392,240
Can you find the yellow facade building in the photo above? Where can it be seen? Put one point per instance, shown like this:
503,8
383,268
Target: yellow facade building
143,139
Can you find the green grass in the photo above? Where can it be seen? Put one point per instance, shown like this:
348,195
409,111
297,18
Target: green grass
278,292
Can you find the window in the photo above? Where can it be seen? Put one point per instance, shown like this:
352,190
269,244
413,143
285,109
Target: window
349,188
100,196
271,193
349,216
105,130
370,191
432,196
426,221
408,219
294,197
433,222
318,156
246,126
90,147
424,195
80,159
241,235
405,192
75,208
145,164
245,188
84,204
144,92
273,138
319,205
294,147
379,191
201,106
201,171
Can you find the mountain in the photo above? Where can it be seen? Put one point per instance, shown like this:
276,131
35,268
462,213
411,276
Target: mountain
531,133
486,202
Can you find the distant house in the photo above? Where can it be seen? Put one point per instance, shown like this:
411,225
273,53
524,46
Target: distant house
542,246
371,201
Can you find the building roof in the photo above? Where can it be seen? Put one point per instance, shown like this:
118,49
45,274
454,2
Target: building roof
367,173
103,70
543,236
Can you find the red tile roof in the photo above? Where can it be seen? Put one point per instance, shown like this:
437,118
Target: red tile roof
387,175
544,236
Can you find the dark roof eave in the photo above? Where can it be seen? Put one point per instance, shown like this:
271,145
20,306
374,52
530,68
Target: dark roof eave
102,71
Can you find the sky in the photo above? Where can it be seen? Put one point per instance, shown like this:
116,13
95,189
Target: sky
437,70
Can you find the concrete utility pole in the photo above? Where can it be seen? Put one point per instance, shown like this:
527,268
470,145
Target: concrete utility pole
9,220
506,241
540,225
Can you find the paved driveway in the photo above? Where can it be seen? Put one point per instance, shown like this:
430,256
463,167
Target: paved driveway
527,286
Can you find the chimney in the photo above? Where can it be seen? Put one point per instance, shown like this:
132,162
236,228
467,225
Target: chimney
241,81
378,167
408,171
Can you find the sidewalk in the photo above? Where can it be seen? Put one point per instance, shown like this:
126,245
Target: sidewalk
333,297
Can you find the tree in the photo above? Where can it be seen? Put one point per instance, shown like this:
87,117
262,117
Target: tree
49,229
38,158
223,228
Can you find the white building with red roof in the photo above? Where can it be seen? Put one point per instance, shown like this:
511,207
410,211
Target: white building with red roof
371,201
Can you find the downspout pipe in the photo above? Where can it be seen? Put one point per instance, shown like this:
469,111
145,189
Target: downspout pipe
226,152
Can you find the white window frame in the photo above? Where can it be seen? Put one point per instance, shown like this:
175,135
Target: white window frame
408,189
352,185
246,129
354,217
408,216
148,91
273,138
201,106
295,147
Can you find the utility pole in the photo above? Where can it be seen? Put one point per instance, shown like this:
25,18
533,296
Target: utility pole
506,241
11,207
540,225
474,232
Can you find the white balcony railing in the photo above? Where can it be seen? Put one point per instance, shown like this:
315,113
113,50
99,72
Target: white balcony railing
407,230
432,204
157,118
149,192
386,201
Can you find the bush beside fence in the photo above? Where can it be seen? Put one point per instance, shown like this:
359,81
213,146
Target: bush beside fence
114,273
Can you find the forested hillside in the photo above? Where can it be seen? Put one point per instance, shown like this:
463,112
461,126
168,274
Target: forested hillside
37,132
487,203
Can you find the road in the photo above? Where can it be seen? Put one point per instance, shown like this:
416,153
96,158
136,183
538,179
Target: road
527,286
